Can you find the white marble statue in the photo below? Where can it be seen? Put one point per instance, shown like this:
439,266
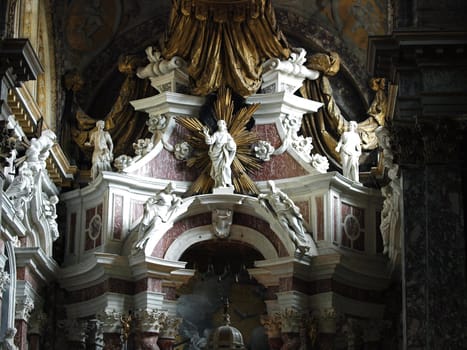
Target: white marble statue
350,150
288,214
157,210
158,65
102,154
222,152
39,150
49,206
21,190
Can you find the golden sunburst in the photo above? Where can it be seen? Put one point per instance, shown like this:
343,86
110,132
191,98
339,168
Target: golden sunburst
244,163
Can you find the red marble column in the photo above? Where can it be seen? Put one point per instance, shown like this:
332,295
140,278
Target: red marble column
166,343
21,334
34,342
275,343
148,341
112,341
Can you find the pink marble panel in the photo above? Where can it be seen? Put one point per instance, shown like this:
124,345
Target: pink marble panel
110,285
166,166
118,216
337,225
170,293
176,230
268,132
304,209
319,218
279,167
136,210
263,227
148,284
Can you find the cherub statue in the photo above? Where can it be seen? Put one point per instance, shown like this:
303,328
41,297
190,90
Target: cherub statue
157,210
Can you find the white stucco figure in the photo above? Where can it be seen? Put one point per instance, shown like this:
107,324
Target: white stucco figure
39,150
49,207
222,152
21,190
288,214
350,150
157,210
102,154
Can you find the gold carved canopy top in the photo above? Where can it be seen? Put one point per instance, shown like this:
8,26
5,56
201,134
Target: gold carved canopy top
224,42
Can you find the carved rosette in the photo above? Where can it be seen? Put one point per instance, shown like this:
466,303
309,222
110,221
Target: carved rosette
4,281
157,123
151,320
263,150
24,307
170,327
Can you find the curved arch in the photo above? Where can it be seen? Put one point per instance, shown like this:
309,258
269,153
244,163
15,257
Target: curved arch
204,204
237,233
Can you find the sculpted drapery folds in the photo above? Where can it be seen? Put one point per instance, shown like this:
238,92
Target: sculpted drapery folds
224,42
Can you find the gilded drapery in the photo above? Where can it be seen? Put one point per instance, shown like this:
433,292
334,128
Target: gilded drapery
327,124
224,42
124,123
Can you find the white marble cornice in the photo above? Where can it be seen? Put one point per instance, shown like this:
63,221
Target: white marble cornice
275,104
170,102
35,258
95,269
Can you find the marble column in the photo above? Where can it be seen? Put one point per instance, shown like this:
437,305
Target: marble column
169,332
272,326
37,324
327,328
111,329
150,324
434,251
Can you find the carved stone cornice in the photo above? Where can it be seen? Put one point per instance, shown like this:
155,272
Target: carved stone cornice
425,66
17,56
